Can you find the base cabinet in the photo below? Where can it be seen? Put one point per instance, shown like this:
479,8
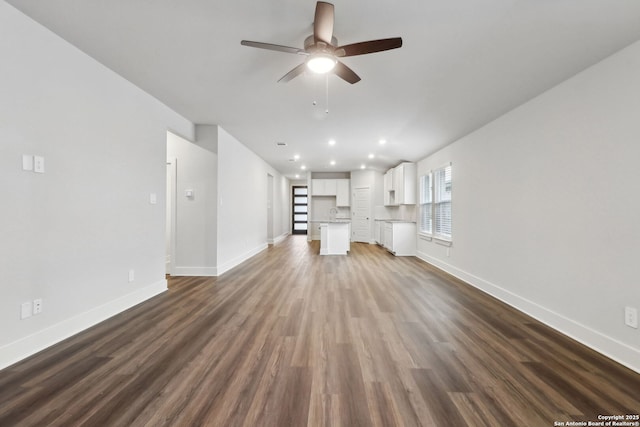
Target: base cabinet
379,232
335,238
400,238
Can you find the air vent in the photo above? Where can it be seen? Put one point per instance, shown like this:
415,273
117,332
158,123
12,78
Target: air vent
281,144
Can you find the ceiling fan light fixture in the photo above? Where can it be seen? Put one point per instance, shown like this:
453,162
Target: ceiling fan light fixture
321,63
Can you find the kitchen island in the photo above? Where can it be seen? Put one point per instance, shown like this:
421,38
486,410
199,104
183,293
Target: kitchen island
335,237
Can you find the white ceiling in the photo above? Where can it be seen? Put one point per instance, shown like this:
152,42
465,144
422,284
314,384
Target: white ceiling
463,64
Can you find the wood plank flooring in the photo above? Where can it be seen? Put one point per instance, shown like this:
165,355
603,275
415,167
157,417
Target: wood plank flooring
290,338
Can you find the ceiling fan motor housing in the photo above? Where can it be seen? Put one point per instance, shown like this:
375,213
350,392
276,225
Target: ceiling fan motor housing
311,46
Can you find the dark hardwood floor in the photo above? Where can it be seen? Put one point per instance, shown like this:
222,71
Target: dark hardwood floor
290,338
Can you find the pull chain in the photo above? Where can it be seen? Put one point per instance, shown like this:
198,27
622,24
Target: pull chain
326,111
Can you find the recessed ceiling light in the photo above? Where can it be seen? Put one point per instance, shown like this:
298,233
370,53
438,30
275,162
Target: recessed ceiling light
363,166
332,142
303,167
371,155
333,162
296,157
382,141
297,175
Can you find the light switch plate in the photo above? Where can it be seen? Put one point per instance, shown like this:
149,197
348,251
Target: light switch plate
153,198
27,162
26,310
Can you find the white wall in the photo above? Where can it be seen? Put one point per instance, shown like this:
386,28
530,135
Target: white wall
242,202
71,235
546,214
195,217
282,193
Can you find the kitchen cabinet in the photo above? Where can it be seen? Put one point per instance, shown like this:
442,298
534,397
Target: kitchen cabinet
387,236
335,238
378,232
400,238
400,185
323,187
389,193
340,188
342,192
387,198
405,178
388,181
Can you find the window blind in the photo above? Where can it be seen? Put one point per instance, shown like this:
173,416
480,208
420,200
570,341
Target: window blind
426,204
442,202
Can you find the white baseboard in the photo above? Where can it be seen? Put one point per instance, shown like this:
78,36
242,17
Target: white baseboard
278,239
240,259
612,348
194,271
25,347
217,271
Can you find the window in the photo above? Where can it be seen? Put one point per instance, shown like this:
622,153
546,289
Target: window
435,203
426,204
442,202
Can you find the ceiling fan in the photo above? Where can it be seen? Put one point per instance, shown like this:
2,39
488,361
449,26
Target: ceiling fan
322,50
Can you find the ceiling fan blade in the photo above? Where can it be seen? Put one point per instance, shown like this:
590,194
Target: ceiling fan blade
369,47
346,73
293,73
275,47
323,22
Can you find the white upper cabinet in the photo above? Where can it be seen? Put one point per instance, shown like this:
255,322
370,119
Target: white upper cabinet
323,187
405,183
389,199
400,185
339,188
342,192
388,181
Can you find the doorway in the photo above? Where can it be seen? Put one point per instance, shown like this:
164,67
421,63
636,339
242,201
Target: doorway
170,222
360,217
270,239
299,209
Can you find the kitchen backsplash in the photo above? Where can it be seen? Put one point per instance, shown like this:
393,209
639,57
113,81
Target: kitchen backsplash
402,212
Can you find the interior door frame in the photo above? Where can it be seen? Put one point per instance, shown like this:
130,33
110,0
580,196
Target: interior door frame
171,208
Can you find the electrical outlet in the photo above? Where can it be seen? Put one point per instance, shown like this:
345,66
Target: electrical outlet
132,275
37,306
38,164
25,310
631,317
